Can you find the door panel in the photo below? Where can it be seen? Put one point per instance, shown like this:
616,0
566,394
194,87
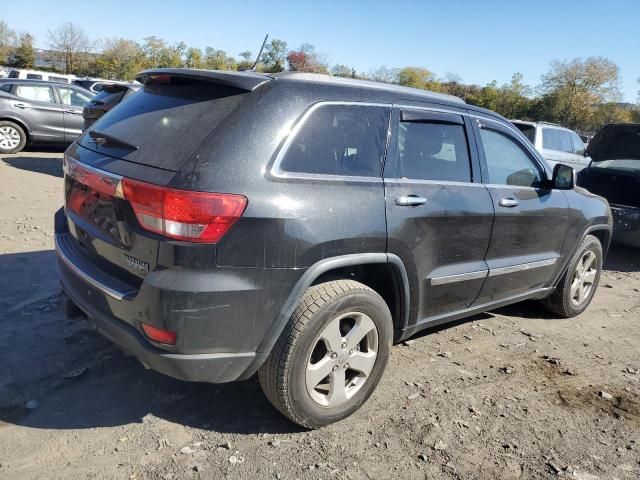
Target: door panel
36,106
73,100
439,227
530,221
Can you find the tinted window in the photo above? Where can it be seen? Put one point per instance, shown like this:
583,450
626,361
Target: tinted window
528,130
339,140
433,151
14,74
73,97
6,87
551,139
507,162
58,79
578,144
566,145
36,93
108,96
34,76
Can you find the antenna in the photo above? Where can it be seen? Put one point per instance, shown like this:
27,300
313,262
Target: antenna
252,68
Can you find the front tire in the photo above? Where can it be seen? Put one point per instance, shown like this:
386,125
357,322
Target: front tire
578,285
12,137
331,355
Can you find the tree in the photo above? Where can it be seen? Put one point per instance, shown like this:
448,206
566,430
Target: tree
7,40
120,59
161,55
194,58
514,99
486,97
274,56
72,44
25,56
383,74
246,61
570,90
343,71
417,77
218,60
306,59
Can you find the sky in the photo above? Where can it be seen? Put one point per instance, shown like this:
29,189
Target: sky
480,40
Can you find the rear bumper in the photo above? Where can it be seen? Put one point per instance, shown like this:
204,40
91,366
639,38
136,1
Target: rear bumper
210,348
626,225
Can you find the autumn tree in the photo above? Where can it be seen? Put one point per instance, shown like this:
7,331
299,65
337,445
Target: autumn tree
24,56
120,59
71,44
570,90
7,40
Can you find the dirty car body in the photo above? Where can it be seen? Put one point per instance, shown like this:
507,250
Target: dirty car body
435,249
614,173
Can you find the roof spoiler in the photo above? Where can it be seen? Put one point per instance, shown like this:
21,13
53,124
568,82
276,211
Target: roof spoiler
247,81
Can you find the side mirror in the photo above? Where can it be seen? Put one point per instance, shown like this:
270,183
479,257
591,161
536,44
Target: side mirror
564,177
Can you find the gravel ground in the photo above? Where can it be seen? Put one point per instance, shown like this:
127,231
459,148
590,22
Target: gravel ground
508,394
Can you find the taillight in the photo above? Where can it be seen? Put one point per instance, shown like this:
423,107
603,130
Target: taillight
159,335
182,214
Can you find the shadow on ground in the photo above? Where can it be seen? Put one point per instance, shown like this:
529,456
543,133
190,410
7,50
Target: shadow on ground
45,165
623,259
82,381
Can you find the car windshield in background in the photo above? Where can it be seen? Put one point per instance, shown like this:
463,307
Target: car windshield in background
528,130
622,166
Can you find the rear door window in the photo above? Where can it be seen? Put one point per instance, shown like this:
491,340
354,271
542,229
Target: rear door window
6,87
35,93
433,151
34,76
566,145
73,97
551,139
347,140
164,122
578,144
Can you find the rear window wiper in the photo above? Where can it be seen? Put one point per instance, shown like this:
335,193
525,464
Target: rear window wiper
102,138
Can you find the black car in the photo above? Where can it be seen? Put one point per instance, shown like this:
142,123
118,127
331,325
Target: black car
614,173
109,95
36,111
220,224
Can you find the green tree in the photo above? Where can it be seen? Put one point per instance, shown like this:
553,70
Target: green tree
514,99
571,90
159,54
274,56
194,58
215,59
486,97
71,44
7,41
24,56
417,77
246,61
343,71
120,59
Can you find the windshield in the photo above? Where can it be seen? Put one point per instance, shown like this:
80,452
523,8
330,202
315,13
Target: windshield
630,166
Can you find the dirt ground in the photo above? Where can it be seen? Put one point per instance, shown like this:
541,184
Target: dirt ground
508,394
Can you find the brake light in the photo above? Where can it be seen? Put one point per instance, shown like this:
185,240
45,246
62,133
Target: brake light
182,214
159,335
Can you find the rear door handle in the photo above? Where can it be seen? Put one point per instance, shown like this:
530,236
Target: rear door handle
508,202
71,112
410,201
20,105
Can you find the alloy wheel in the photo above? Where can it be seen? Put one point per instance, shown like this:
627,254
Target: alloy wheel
342,359
584,277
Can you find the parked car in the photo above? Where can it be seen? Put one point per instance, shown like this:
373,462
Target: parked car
614,173
95,84
40,75
109,96
556,144
34,111
219,224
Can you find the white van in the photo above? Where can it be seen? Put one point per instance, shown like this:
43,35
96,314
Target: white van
40,75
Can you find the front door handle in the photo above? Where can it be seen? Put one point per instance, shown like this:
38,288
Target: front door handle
72,112
410,201
508,202
20,105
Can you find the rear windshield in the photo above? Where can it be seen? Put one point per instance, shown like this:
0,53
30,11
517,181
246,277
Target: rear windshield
109,96
528,130
165,121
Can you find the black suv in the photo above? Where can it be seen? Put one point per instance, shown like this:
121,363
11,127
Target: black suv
221,224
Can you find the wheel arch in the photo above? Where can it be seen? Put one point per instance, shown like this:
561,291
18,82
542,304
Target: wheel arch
20,123
393,287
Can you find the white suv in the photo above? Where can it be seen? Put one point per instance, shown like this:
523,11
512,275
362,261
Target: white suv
555,143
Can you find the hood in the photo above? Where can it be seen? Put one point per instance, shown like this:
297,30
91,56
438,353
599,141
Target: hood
614,142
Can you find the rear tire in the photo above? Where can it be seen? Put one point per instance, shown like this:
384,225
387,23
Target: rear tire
12,137
578,285
331,355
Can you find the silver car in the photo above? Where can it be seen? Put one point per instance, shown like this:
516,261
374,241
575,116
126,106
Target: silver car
555,143
33,111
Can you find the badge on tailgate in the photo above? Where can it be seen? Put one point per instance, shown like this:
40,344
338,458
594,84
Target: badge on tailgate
135,263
